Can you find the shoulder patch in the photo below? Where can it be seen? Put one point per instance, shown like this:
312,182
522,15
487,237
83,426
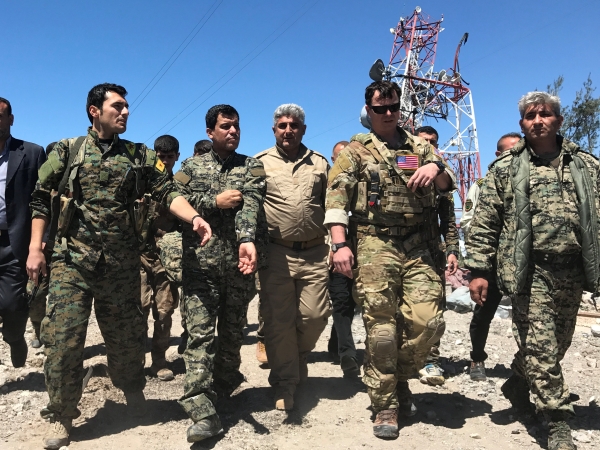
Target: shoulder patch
182,177
159,165
258,172
130,146
342,164
468,205
480,182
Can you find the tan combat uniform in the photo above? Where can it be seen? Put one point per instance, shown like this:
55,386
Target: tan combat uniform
396,235
294,299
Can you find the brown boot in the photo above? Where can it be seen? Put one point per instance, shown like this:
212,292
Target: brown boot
385,425
261,353
57,435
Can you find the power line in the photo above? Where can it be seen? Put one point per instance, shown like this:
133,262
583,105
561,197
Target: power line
298,17
175,52
331,129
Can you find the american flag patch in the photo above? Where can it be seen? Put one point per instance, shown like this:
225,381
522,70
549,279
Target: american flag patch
408,162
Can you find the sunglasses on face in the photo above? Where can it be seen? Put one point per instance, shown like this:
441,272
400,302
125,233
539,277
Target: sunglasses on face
382,109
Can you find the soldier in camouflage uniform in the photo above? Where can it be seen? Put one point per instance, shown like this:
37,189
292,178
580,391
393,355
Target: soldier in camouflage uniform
96,256
536,224
218,280
389,180
158,293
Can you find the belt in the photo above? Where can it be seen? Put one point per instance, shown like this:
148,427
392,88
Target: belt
556,258
374,230
299,245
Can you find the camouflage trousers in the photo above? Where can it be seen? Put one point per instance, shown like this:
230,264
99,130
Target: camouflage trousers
400,293
37,308
160,296
543,326
213,300
115,295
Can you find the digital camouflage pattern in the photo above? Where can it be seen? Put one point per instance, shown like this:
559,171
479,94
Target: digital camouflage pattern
102,224
115,293
543,326
100,262
397,278
171,251
213,286
545,309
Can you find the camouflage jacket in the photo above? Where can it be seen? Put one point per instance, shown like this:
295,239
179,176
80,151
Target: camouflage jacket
448,228
366,179
201,179
160,222
519,212
102,224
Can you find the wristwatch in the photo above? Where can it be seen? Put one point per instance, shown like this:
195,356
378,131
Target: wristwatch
245,239
440,165
336,247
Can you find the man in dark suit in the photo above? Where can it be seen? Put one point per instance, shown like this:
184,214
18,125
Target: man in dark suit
19,163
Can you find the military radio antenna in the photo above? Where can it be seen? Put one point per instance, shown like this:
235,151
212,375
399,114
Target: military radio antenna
441,95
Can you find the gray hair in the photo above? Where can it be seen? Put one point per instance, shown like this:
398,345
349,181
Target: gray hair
539,98
288,109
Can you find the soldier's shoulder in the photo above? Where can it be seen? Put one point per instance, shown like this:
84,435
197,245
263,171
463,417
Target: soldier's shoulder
361,138
319,156
588,157
504,159
480,181
264,153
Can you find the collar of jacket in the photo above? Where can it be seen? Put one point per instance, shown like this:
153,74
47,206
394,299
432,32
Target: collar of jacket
590,246
94,135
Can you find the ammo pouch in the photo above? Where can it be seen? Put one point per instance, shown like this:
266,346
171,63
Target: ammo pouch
65,216
138,211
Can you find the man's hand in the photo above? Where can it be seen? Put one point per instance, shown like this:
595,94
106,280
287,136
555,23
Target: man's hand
229,199
479,288
452,262
248,257
423,176
343,260
36,262
201,227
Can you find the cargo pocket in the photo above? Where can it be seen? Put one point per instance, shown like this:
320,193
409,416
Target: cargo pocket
48,328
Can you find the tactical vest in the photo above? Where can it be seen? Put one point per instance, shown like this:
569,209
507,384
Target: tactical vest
382,190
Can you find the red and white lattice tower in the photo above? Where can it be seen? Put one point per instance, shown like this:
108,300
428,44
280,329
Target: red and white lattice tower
439,95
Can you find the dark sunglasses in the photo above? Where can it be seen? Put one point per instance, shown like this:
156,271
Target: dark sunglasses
385,108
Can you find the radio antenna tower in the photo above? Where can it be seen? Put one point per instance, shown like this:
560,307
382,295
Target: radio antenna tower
440,95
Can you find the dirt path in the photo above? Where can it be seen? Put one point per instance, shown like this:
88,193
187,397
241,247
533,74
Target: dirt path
331,412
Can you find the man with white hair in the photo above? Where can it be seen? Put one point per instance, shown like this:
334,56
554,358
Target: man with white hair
537,227
294,301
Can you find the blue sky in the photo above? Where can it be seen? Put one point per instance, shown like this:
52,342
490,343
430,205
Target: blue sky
257,55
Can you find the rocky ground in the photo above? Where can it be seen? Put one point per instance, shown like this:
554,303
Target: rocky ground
331,412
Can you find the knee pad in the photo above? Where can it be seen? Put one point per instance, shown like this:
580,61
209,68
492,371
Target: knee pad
383,341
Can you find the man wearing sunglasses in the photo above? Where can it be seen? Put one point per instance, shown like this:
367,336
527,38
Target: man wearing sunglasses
389,180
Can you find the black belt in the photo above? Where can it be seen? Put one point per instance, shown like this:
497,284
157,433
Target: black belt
556,258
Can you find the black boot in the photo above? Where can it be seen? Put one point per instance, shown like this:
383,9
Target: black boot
516,391
18,352
559,432
406,405
203,429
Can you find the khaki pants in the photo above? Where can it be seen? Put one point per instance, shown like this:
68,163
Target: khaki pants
294,306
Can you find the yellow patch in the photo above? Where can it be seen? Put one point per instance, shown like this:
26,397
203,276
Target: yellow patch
131,148
159,165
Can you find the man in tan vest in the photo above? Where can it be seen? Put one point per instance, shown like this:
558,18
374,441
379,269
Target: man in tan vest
294,300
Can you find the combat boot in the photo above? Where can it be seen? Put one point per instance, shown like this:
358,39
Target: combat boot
385,425
516,391
160,370
136,403
406,405
284,399
203,429
349,366
559,436
57,435
18,352
432,374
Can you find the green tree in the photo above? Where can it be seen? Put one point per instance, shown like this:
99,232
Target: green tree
582,117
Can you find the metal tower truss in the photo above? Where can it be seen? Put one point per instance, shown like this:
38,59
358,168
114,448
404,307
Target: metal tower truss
442,95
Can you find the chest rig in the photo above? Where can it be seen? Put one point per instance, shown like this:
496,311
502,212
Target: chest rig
382,190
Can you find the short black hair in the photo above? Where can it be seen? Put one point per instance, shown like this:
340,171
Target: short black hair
97,95
213,114
386,90
7,103
427,130
49,147
202,147
512,134
166,144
